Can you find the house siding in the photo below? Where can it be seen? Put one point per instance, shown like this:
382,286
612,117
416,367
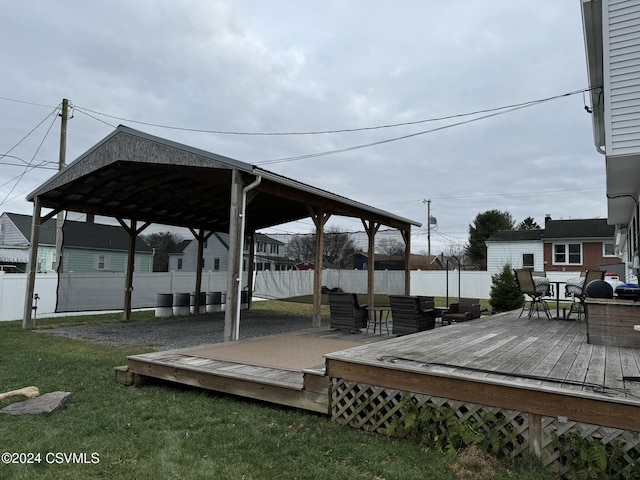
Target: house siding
9,233
592,258
215,249
499,253
81,260
621,33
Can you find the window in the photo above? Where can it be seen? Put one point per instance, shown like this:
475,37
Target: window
527,260
608,249
216,264
179,264
274,248
567,254
262,247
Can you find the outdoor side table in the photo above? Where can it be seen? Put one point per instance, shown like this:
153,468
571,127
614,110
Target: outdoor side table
380,317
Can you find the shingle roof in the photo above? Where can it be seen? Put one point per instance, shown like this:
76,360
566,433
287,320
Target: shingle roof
516,235
579,228
80,234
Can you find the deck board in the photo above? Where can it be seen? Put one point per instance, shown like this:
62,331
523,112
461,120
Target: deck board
499,350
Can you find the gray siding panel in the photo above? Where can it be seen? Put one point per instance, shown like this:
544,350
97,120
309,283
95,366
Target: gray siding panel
623,83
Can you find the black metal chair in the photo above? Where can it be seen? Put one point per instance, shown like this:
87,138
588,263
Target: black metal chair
579,292
409,315
346,312
535,293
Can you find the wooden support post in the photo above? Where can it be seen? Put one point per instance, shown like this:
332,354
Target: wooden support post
200,237
320,218
235,255
128,292
535,434
252,259
133,232
406,236
371,228
32,266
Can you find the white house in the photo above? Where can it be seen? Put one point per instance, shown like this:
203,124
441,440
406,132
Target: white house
612,44
268,254
573,245
519,248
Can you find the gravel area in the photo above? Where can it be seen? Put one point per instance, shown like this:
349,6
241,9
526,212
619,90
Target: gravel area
183,332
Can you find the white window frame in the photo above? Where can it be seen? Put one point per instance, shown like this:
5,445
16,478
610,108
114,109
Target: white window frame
566,253
604,249
533,260
101,262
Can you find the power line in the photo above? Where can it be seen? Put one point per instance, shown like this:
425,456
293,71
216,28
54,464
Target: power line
25,102
29,166
395,139
86,111
92,116
2,155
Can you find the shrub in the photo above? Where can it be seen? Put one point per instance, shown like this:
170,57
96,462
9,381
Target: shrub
505,294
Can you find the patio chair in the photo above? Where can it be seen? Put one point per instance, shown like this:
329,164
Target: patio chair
426,301
346,312
464,310
578,292
409,316
535,293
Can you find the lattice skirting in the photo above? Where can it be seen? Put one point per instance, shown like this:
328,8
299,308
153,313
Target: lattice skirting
373,408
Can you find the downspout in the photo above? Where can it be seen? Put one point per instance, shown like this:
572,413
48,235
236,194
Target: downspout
245,190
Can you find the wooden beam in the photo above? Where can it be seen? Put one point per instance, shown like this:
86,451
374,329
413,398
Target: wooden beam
201,236
252,259
319,217
235,255
406,236
371,228
592,409
333,206
133,233
304,399
128,293
32,267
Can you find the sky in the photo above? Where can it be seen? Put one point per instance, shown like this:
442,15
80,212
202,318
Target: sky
401,82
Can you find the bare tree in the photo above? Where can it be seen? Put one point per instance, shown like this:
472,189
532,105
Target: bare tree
337,245
390,246
301,248
162,243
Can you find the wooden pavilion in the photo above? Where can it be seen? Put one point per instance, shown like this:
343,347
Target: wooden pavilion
140,179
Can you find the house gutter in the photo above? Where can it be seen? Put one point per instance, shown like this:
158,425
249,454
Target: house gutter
245,190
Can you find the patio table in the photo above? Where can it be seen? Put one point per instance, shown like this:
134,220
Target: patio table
380,316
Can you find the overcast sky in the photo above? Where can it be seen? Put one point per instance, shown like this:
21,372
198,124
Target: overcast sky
292,66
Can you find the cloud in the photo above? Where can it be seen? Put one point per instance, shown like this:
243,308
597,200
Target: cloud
290,66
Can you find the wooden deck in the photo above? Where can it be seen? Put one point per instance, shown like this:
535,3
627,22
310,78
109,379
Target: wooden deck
306,388
540,366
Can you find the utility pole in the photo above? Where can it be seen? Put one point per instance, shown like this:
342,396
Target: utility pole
428,202
61,164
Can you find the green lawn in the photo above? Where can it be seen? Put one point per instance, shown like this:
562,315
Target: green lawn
170,432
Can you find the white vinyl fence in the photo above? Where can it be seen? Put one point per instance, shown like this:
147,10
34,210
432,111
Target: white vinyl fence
105,291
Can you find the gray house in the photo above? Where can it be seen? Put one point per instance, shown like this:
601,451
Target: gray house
87,247
268,254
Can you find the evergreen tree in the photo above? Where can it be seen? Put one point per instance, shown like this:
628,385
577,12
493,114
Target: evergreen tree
485,225
528,224
505,294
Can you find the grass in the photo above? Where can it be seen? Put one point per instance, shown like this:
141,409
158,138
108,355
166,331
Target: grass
165,431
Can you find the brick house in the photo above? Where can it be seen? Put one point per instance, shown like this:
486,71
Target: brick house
578,245
562,246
